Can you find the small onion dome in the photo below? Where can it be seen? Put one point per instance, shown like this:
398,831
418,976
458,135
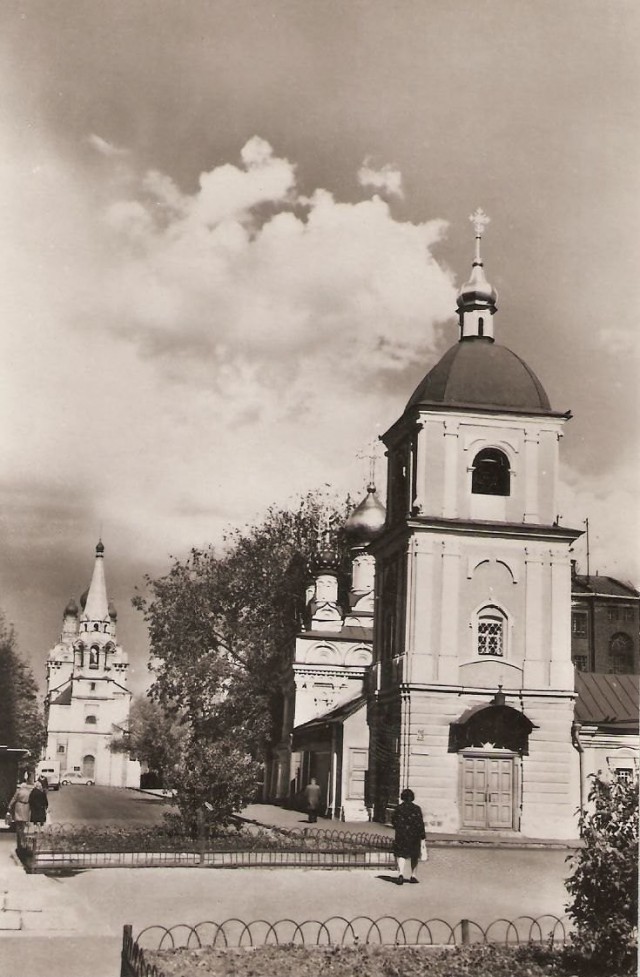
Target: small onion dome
100,548
367,520
113,614
326,560
71,610
83,599
477,293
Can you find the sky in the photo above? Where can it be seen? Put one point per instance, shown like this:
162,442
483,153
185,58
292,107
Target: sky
231,237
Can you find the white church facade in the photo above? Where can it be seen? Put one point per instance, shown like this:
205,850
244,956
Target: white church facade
457,679
87,700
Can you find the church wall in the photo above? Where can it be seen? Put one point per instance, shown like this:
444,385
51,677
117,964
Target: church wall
355,764
546,786
443,483
550,786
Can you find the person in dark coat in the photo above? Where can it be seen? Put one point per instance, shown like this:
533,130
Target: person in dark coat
409,827
38,804
312,798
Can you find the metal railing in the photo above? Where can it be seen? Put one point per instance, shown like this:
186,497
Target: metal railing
102,846
335,931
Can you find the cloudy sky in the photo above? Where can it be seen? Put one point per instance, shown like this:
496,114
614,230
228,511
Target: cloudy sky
231,236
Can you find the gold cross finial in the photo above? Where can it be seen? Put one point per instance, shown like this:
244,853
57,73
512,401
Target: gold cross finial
479,221
371,455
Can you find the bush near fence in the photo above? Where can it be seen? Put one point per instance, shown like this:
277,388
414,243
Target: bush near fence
101,846
345,948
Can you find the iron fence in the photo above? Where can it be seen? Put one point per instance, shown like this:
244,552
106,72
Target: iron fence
68,845
335,931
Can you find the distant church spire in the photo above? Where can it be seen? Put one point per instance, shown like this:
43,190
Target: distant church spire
477,298
96,608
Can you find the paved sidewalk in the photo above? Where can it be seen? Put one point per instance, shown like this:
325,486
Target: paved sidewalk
273,815
73,922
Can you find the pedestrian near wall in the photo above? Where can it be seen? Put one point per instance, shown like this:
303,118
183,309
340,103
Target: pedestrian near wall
38,803
19,809
312,797
409,841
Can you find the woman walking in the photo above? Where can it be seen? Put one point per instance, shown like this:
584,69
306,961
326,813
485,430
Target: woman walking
410,835
19,809
38,803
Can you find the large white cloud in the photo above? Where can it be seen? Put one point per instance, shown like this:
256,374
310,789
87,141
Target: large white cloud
172,361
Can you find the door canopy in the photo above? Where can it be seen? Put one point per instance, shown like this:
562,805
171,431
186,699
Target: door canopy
491,727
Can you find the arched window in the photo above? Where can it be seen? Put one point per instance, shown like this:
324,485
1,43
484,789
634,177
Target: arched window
491,632
491,473
93,656
621,653
90,720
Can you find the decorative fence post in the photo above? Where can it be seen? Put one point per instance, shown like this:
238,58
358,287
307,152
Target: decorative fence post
127,940
202,836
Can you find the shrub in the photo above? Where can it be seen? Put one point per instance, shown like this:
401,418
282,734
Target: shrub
604,884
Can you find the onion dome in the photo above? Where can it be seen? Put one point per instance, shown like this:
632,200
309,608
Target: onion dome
477,293
113,614
367,520
100,548
478,373
72,609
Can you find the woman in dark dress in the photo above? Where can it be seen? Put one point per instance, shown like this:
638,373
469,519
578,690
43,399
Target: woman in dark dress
38,804
409,826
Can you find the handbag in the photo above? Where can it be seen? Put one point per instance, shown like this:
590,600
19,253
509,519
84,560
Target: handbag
424,854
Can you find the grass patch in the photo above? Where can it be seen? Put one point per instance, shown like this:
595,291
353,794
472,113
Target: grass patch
476,960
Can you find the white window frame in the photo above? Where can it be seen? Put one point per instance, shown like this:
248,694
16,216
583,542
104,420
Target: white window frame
487,611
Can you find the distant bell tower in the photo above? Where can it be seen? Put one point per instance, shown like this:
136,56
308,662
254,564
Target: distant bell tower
87,700
472,684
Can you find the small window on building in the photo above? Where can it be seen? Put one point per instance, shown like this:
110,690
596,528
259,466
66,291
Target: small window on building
76,768
581,663
491,473
90,720
93,686
621,654
628,614
60,748
612,613
625,774
93,657
491,632
579,624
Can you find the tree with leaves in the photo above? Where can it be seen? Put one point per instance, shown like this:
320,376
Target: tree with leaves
604,883
154,737
222,624
21,717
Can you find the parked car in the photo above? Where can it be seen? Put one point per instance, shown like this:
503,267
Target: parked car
75,777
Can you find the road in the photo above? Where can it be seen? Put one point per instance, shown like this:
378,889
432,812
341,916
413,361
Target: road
86,805
457,882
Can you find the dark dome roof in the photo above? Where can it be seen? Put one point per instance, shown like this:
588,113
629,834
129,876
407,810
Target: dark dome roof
479,373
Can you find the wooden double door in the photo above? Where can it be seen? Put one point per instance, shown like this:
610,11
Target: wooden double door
489,786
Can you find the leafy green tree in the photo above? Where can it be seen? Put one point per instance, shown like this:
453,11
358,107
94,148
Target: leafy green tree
155,737
221,624
604,883
215,780
21,716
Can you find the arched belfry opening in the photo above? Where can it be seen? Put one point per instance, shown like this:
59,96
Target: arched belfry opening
491,473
